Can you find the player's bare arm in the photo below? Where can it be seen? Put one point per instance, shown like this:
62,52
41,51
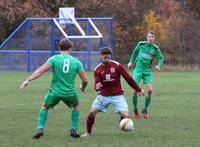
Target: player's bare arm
84,79
36,74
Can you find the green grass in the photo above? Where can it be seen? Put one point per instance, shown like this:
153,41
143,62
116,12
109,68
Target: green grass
175,119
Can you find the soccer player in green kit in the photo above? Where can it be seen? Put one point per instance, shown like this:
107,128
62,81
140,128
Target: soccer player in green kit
141,60
65,68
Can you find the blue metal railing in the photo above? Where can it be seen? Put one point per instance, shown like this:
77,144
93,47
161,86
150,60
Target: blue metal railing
84,55
18,28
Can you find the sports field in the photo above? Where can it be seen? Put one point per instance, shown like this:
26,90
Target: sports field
174,111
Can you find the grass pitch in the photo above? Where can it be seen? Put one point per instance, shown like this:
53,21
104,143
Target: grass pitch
174,111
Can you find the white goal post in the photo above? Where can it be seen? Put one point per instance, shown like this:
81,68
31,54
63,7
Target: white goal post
66,16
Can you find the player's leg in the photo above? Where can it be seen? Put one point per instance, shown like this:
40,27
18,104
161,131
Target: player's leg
73,102
75,115
124,114
120,105
43,114
100,104
49,102
137,76
147,99
135,108
90,122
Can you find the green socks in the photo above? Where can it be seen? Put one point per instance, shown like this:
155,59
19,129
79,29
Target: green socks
75,119
135,100
43,114
147,101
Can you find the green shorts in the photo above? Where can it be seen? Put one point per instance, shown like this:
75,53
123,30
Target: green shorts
51,100
139,74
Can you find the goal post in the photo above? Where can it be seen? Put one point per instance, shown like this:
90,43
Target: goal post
67,16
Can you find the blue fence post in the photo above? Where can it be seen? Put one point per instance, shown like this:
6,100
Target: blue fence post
28,45
111,33
10,60
53,47
89,44
101,42
71,29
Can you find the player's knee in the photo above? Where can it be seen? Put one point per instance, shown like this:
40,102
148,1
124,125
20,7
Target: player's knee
93,112
134,93
76,107
125,114
91,115
44,106
149,93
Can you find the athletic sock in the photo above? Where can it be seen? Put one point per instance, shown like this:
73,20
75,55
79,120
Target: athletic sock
75,118
43,114
90,122
135,100
147,102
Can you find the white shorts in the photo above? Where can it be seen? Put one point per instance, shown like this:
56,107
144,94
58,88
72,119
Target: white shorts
102,102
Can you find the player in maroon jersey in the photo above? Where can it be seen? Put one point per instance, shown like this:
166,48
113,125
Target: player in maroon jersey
108,86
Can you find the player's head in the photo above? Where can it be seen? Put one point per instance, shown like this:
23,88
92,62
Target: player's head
106,53
150,37
65,44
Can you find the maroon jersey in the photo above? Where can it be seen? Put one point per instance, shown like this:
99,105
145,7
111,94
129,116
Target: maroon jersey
109,76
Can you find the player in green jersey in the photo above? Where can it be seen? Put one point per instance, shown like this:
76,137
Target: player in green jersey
65,68
141,60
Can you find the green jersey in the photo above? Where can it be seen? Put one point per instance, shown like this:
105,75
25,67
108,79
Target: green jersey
65,68
144,54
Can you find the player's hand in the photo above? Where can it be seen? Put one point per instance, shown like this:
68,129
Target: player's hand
141,93
81,88
130,65
156,68
98,86
24,84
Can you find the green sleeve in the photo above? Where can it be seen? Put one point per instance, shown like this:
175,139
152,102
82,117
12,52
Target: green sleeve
80,67
135,53
160,57
50,61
